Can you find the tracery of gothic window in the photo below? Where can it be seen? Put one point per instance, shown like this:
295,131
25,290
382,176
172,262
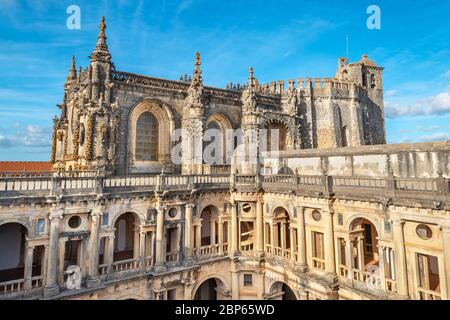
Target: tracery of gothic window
147,139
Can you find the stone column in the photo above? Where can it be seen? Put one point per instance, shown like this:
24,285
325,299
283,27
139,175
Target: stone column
229,236
213,232
234,229
235,285
446,250
160,247
400,258
110,253
259,228
301,235
198,235
28,267
330,265
93,279
360,246
283,235
291,235
142,241
188,239
349,258
382,265
51,287
274,235
220,235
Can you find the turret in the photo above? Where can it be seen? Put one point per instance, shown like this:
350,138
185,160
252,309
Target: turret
100,64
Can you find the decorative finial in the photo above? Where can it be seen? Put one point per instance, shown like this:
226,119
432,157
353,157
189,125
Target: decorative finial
101,52
197,59
72,72
197,76
103,25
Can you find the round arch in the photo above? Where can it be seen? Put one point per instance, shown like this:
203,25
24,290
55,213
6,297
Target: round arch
283,289
166,125
355,217
285,135
13,238
220,282
138,217
23,223
126,236
278,210
222,120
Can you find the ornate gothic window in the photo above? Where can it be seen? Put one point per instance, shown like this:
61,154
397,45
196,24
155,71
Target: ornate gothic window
147,138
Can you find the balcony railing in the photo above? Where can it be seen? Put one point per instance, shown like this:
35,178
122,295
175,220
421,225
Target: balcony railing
369,279
172,257
426,294
126,265
278,252
391,285
207,251
318,263
12,286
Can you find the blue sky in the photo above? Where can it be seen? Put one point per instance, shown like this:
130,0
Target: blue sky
281,39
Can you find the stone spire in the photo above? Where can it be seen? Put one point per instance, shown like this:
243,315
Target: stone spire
197,76
72,72
195,92
249,94
101,52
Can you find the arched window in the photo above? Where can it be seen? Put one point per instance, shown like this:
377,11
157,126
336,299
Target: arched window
344,136
276,134
345,75
147,138
212,125
373,82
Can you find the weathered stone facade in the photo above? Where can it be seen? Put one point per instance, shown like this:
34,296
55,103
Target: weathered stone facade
360,222
97,126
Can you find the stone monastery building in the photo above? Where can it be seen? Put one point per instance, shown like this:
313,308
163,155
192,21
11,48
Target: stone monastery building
326,210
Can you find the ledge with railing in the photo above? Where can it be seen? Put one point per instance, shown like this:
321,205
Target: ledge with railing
88,183
278,252
437,190
126,265
318,263
207,251
427,294
16,286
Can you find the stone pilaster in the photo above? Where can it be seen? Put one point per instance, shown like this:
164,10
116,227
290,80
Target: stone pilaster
401,273
93,278
51,287
259,228
188,229
160,245
330,265
301,234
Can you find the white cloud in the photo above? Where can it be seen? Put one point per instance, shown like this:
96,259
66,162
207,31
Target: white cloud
437,104
428,128
32,136
391,93
439,136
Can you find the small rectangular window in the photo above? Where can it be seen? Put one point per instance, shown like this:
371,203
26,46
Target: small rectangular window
40,226
248,280
340,219
105,219
387,226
